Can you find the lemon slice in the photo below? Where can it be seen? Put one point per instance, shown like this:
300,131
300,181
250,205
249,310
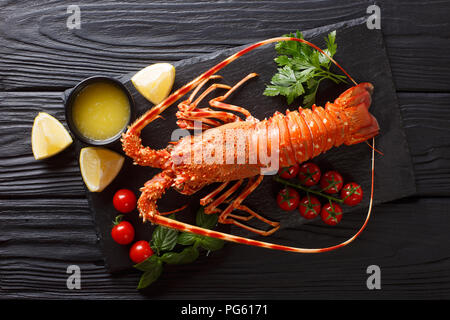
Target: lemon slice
99,167
48,136
155,81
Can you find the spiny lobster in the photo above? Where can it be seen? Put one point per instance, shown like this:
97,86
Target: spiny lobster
300,135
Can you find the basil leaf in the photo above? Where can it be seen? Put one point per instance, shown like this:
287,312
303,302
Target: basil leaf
211,244
163,238
148,264
188,255
186,238
150,276
207,221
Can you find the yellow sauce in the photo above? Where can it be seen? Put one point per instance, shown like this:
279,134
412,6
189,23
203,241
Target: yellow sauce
101,110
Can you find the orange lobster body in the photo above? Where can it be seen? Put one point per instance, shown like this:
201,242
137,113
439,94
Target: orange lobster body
301,135
288,138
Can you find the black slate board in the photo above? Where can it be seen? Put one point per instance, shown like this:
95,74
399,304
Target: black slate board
362,53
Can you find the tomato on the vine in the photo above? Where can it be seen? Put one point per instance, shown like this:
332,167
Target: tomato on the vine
288,199
331,182
124,200
140,251
309,174
122,232
309,207
352,194
289,172
331,213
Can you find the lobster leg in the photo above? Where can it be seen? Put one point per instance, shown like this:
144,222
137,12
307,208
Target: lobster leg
251,213
227,217
189,112
188,107
186,103
210,89
217,102
212,208
254,230
210,197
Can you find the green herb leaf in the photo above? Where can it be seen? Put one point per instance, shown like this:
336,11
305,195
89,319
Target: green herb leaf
186,238
188,255
207,221
331,45
310,97
163,238
211,244
301,67
148,264
282,61
151,275
271,91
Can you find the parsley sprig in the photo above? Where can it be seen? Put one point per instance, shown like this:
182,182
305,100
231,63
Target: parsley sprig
164,243
301,69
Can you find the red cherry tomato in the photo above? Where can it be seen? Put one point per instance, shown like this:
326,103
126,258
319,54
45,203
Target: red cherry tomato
309,207
140,251
288,199
331,214
289,172
331,182
123,232
352,194
124,200
309,174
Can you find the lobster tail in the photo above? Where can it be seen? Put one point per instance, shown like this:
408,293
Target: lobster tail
305,133
353,106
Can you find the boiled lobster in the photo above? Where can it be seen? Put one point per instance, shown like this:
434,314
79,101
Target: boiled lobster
288,138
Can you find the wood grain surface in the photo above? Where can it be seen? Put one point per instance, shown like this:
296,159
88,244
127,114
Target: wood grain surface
46,224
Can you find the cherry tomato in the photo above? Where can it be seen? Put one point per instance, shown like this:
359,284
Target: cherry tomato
352,194
140,251
331,214
289,172
123,232
331,182
124,200
309,207
309,174
288,199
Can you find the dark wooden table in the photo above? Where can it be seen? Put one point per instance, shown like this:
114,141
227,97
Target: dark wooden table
45,221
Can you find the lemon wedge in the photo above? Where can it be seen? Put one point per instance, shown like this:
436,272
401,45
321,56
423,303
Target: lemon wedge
155,81
48,136
99,167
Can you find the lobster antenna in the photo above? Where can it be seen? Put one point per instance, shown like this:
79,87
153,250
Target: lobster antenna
151,114
170,223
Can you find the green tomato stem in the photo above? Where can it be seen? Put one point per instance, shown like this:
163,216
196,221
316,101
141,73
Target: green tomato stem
306,189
